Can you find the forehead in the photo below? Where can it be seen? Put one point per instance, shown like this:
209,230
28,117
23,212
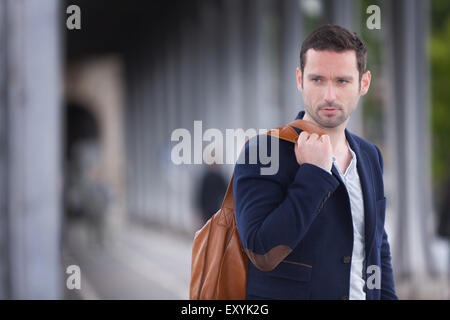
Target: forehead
331,61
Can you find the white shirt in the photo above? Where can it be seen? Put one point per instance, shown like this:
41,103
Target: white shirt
353,185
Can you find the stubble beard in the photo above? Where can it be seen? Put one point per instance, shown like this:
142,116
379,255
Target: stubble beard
330,121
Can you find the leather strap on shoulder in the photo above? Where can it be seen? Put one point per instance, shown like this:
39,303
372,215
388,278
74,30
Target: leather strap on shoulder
285,132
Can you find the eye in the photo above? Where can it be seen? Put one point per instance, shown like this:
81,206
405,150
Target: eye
316,80
342,81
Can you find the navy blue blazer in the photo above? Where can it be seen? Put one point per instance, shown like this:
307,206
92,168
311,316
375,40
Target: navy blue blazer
296,226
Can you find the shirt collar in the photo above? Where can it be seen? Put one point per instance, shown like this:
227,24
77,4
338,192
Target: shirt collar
352,164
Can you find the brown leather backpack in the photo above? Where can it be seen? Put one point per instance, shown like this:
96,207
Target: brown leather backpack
219,263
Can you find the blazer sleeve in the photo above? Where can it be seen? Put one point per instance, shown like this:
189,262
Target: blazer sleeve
274,212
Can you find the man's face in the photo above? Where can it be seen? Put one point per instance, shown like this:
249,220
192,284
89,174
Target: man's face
331,87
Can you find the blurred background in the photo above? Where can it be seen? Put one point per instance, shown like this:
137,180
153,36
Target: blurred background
86,117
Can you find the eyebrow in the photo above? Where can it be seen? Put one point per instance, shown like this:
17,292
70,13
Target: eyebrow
315,76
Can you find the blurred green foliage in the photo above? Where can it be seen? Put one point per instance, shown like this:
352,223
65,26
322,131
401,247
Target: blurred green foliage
440,90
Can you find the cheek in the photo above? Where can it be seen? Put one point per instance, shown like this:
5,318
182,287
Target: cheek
349,94
352,102
312,94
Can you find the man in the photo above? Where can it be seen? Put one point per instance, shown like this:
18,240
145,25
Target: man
210,192
315,229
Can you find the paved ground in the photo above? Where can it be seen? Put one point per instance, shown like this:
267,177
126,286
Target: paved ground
141,263
151,263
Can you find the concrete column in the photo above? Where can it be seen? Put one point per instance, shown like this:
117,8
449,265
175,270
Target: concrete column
34,179
140,140
266,50
249,65
149,104
5,289
210,76
408,135
160,138
234,71
187,110
131,118
234,25
342,12
291,28
173,110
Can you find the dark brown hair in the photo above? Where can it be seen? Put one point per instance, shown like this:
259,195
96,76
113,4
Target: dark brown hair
338,39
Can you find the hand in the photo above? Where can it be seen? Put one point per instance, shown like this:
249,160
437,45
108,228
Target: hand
310,148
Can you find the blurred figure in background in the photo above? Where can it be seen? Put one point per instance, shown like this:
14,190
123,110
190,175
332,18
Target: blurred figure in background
87,195
211,191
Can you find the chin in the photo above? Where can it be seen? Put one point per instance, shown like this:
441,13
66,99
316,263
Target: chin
331,122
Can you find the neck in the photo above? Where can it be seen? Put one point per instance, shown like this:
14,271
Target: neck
337,134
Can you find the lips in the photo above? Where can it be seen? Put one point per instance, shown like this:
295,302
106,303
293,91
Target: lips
329,110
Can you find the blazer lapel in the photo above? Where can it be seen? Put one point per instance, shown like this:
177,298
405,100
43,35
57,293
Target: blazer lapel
365,176
335,171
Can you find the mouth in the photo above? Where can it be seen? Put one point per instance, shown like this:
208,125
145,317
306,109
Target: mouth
329,110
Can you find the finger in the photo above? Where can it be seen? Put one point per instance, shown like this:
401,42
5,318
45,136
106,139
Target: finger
303,136
314,136
325,137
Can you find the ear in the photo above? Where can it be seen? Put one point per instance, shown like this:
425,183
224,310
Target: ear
299,79
365,82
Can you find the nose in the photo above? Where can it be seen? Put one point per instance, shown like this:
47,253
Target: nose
330,94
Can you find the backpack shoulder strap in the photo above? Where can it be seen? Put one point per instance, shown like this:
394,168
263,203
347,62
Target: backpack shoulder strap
286,132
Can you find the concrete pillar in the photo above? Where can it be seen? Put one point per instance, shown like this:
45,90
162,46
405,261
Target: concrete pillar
139,139
249,65
342,12
32,48
188,110
234,24
408,135
234,72
160,137
173,101
142,140
291,28
265,55
148,126
210,75
4,163
131,116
